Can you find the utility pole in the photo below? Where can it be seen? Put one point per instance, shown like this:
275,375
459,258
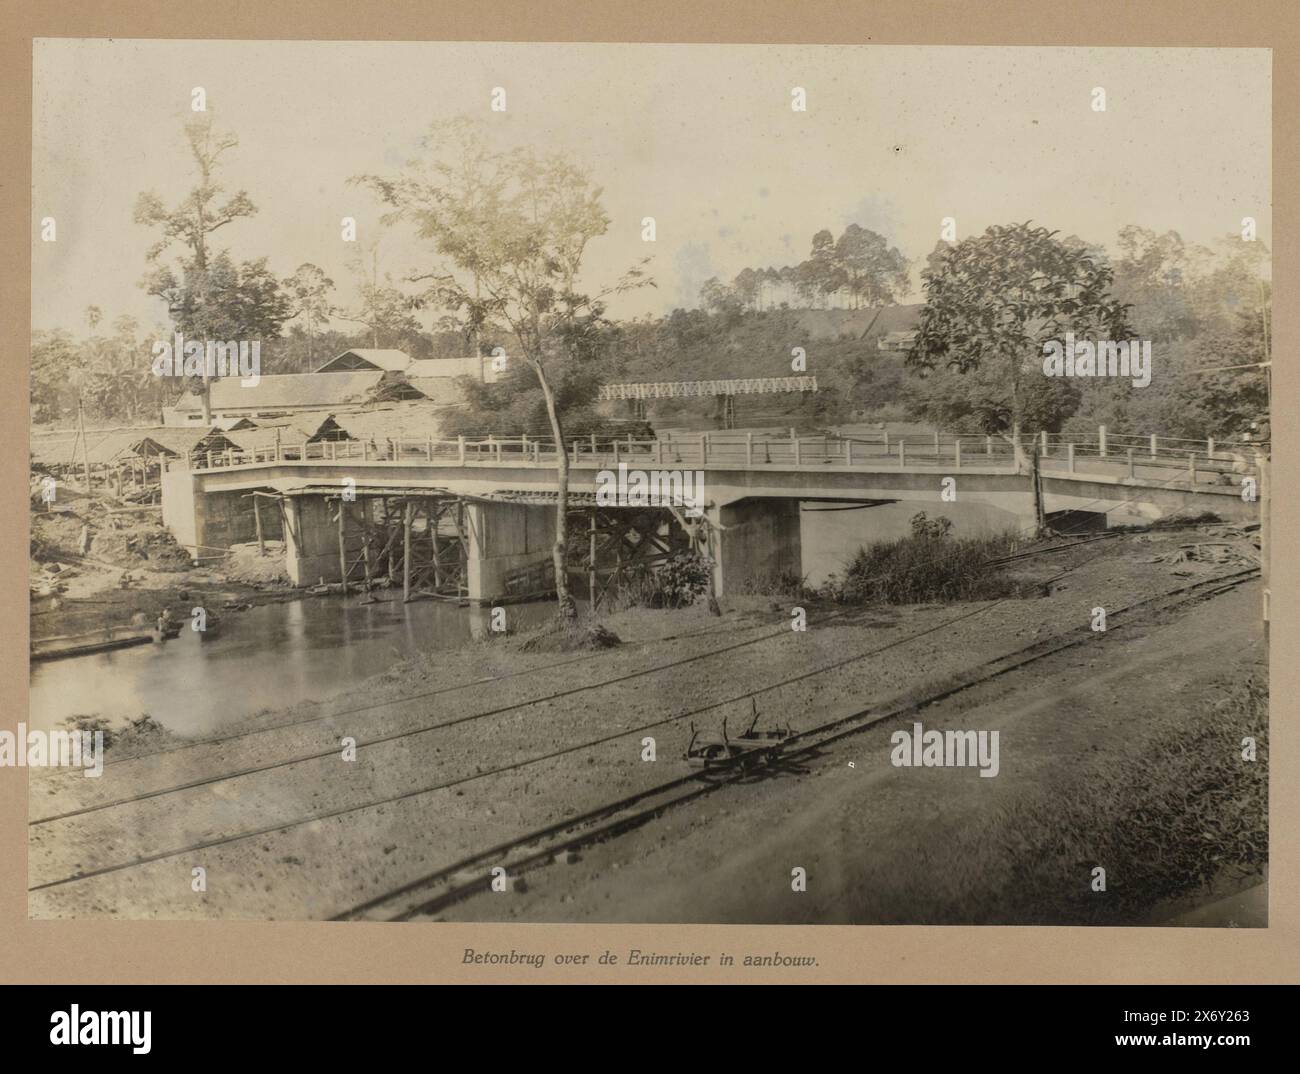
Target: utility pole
1265,528
85,448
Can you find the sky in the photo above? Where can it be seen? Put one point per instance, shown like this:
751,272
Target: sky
701,137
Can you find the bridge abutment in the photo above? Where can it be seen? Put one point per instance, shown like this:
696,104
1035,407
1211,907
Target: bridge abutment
759,543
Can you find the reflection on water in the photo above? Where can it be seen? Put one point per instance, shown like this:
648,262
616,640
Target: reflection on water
268,657
277,655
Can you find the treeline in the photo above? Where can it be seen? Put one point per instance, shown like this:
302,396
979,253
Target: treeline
208,294
857,270
1207,310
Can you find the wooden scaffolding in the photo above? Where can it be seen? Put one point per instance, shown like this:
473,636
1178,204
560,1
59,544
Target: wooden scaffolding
420,539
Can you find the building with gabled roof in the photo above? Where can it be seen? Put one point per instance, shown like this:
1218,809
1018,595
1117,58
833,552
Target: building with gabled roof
394,361
384,360
283,396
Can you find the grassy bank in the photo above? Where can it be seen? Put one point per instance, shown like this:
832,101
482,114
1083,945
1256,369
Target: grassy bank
1180,813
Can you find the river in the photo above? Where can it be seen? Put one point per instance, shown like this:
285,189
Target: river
266,658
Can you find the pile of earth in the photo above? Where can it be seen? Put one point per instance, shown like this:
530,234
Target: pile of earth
143,544
246,564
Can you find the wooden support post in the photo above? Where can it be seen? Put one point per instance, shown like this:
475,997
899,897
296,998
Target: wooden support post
704,448
1130,462
434,508
1209,451
902,453
406,552
257,518
1191,466
1043,441
988,446
749,449
1101,440
956,452
591,566
343,559
1153,445
848,451
936,443
1069,456
365,541
615,443
797,459
460,449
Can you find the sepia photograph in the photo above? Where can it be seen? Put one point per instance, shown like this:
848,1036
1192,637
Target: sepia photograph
596,483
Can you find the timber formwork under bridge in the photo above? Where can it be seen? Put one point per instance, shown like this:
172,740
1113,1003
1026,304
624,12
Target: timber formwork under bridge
613,550
417,538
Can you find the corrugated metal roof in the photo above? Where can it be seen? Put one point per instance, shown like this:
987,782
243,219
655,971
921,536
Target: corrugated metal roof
441,391
446,367
413,420
285,390
387,359
106,446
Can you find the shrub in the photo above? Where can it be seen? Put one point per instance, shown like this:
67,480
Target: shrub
929,565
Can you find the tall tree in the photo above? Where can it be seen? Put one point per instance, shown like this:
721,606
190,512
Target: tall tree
873,272
310,290
382,307
189,293
993,300
510,228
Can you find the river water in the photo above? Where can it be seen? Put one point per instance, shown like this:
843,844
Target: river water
266,658
276,655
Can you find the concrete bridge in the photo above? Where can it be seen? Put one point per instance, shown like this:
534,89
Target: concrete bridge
467,517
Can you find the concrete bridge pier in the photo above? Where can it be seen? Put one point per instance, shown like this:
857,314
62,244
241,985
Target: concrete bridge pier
505,539
758,541
311,553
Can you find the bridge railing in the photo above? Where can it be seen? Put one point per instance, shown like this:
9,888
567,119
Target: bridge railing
1155,458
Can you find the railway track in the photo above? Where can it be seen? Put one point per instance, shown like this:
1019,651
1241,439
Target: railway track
524,854
459,781
546,667
331,750
423,695
641,803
